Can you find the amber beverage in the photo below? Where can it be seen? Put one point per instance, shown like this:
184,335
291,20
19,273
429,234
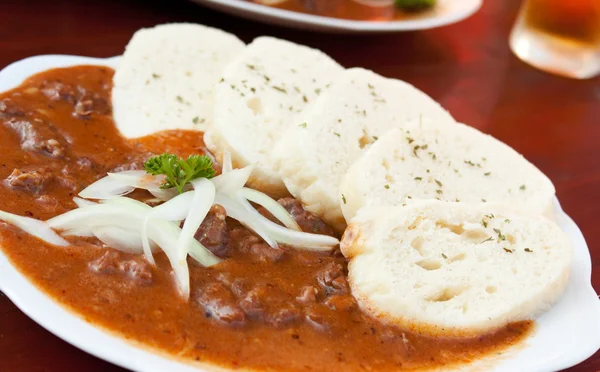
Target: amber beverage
559,36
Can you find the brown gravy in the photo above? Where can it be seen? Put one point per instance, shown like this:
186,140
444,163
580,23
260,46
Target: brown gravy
66,116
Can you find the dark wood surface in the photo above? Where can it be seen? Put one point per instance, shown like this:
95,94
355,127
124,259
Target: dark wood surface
467,67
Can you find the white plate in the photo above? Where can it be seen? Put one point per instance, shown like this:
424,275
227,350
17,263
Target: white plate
566,335
447,12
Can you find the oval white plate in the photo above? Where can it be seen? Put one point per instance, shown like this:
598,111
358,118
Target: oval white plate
566,335
447,12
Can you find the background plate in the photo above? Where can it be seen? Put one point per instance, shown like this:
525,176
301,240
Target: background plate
448,11
566,335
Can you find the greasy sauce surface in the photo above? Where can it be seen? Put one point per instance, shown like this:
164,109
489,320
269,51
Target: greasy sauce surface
72,108
353,10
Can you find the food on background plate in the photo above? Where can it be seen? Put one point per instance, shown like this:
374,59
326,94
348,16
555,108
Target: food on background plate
153,239
325,140
166,77
259,96
454,268
414,5
458,163
360,10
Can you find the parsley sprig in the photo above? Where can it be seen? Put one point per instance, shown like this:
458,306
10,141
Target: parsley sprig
179,172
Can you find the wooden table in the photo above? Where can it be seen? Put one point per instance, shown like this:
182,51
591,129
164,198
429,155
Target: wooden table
467,67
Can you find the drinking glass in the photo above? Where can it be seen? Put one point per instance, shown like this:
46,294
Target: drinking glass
559,36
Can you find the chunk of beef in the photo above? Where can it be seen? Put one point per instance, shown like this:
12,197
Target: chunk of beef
309,222
89,104
114,262
9,109
308,295
214,232
239,286
31,181
246,242
332,279
218,302
133,162
340,302
37,181
39,138
58,91
47,202
269,304
85,164
317,316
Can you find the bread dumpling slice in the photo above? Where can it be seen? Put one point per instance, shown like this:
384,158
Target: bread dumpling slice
313,156
455,269
258,99
455,164
166,77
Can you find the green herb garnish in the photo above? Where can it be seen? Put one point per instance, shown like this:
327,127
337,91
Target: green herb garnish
501,236
179,172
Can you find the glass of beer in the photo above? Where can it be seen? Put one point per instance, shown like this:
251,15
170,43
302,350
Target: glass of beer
559,36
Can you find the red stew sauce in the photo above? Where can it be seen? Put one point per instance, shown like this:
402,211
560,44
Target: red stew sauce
261,308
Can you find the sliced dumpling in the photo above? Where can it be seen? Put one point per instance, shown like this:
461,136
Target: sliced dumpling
455,164
455,269
166,77
259,97
313,156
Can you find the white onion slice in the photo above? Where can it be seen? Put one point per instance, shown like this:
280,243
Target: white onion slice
105,188
34,227
201,254
167,240
105,214
82,202
164,194
133,203
239,213
227,165
138,178
146,241
289,237
142,180
84,232
231,182
204,197
119,239
176,209
144,210
276,209
130,214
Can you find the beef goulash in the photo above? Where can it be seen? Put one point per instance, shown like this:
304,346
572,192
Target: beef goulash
248,306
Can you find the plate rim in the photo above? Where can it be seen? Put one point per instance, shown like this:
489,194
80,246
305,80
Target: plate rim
72,328
275,15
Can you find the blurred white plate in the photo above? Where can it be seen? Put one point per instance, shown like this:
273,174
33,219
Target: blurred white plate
564,336
446,12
